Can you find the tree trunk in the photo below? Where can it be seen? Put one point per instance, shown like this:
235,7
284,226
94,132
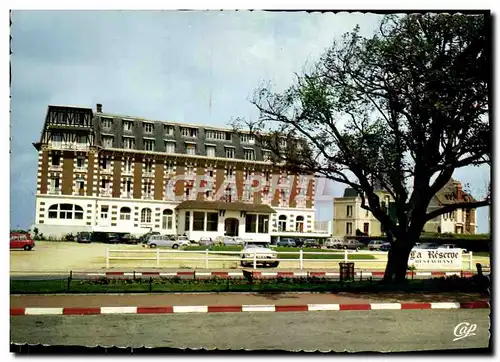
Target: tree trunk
397,262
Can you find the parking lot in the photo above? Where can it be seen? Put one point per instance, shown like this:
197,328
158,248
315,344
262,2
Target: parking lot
50,256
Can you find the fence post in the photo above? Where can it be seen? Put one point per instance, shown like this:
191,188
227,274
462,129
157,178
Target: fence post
206,258
157,258
345,255
301,259
254,260
470,260
107,258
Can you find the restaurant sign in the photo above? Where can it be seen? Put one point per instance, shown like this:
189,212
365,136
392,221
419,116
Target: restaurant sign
432,259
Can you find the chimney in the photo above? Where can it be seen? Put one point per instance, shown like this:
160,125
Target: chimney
99,108
459,192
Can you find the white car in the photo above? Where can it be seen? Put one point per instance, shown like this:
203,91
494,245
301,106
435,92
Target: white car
167,240
451,246
263,254
232,241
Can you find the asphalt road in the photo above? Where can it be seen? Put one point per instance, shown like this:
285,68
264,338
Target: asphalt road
388,330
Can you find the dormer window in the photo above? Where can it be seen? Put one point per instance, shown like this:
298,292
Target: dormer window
266,155
107,141
169,130
107,123
247,138
189,132
127,125
149,145
148,127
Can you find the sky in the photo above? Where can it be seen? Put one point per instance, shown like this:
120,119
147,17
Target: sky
194,67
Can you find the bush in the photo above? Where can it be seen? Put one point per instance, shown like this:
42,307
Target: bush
69,237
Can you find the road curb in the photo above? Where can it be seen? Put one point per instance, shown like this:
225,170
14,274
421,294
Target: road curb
247,308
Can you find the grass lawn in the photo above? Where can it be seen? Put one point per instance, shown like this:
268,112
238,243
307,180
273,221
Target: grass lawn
282,252
165,285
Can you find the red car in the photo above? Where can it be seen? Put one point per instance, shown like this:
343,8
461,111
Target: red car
21,241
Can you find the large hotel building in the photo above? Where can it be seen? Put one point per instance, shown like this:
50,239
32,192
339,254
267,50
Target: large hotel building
112,173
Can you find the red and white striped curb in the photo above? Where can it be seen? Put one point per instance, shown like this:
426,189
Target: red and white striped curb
273,274
246,308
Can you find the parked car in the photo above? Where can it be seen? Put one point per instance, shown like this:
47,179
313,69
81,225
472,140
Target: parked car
428,246
167,240
204,240
262,254
351,244
112,238
21,241
451,246
375,244
286,242
299,242
311,243
331,243
232,241
84,237
129,239
385,246
145,237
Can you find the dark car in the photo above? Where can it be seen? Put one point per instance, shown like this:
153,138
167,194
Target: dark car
112,238
311,243
128,239
287,242
385,247
428,246
299,242
144,238
83,237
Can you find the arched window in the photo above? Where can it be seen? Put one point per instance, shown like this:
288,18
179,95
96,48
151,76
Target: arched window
167,221
65,211
125,213
146,215
282,223
299,224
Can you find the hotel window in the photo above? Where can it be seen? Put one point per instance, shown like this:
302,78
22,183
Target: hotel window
107,141
104,212
128,143
127,125
148,166
348,228
147,188
127,165
249,155
198,221
169,130
145,215
229,152
105,184
247,138
210,151
251,223
266,155
106,164
81,139
212,221
56,160
267,175
282,223
263,224
230,171
125,213
148,128
170,147
190,149
80,162
167,219
187,220
349,211
215,135
107,123
169,168
80,185
149,145
54,183
190,171
189,132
